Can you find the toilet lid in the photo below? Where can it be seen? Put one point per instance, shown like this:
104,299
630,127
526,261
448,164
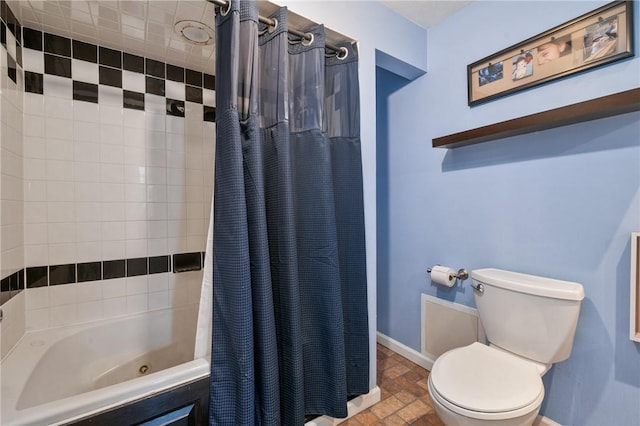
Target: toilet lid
480,378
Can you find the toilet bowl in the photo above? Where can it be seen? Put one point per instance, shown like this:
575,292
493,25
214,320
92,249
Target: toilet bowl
481,385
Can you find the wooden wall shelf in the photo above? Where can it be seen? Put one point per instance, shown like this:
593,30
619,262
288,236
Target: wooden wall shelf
606,106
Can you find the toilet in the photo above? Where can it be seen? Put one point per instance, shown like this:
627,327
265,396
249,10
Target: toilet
530,323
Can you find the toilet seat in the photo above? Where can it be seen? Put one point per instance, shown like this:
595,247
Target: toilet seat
485,383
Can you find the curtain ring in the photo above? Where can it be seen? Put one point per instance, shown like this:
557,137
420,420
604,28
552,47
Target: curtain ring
307,42
342,53
272,28
225,12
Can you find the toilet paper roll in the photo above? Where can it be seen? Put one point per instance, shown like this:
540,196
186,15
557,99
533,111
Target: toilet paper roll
443,276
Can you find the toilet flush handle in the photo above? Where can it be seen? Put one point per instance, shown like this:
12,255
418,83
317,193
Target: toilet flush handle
479,287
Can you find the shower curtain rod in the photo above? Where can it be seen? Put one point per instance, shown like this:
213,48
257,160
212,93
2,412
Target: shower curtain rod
272,23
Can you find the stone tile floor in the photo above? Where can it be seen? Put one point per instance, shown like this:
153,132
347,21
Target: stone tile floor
404,397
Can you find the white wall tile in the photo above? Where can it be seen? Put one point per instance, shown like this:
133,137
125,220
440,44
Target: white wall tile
137,285
114,288
60,191
134,137
60,87
59,128
35,212
112,192
34,147
133,81
33,60
115,307
112,212
87,192
84,131
87,152
136,230
137,303
86,172
157,211
61,233
60,254
37,298
158,300
89,291
90,311
175,90
36,254
112,154
112,231
89,252
85,112
136,248
60,149
111,173
58,108
84,71
134,118
60,211
158,282
111,96
63,294
38,319
88,231
63,315
58,170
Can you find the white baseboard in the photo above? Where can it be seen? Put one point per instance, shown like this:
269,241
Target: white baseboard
355,406
544,421
405,351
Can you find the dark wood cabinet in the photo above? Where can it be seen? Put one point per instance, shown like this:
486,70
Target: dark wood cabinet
185,405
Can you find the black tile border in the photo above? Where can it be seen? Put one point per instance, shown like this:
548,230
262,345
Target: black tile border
137,267
33,82
159,264
132,63
58,51
57,65
110,57
57,45
110,76
89,271
50,275
133,100
62,274
87,92
184,262
85,51
112,269
37,276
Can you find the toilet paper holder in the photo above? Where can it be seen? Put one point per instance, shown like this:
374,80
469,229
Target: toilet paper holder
461,275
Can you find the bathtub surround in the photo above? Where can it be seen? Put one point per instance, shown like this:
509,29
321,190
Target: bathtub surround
106,180
12,262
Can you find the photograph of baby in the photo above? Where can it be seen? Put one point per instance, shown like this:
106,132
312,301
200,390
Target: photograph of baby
522,65
490,74
600,39
553,49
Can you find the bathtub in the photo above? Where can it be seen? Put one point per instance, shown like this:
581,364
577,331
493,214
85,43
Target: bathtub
60,375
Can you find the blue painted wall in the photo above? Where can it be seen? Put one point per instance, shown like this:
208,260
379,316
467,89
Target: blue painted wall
559,203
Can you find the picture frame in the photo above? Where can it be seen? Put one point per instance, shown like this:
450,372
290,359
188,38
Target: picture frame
634,323
594,39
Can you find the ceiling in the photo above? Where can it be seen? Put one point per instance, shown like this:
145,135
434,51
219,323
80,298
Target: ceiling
426,13
146,27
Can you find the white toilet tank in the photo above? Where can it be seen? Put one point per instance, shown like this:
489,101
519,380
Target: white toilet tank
530,316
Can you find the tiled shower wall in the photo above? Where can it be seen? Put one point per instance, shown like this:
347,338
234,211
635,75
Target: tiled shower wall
12,298
118,174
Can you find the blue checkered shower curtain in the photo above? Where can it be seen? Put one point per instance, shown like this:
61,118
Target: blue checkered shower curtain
290,331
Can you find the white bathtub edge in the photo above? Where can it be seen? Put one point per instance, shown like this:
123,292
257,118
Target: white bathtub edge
122,393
